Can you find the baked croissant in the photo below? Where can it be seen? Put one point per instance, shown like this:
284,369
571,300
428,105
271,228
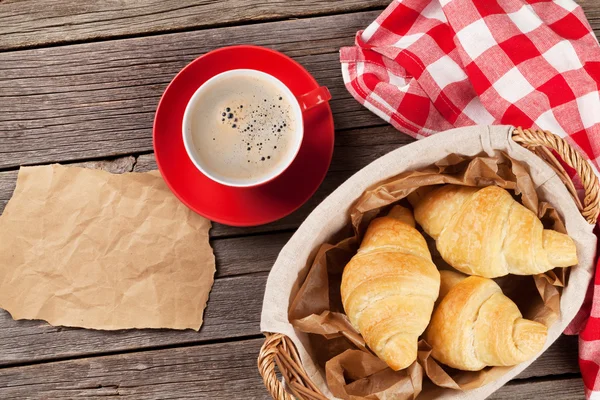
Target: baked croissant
389,287
486,232
475,325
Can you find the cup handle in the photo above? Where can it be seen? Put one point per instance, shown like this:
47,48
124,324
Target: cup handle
313,98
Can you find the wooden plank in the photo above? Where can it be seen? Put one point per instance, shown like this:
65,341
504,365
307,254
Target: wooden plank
563,389
561,358
216,371
249,254
354,149
592,12
233,311
43,22
98,100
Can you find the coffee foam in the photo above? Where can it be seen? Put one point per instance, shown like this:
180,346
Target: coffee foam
243,128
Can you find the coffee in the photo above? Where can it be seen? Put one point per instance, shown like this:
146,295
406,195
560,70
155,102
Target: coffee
244,128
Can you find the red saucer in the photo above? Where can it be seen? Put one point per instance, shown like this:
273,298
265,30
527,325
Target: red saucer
242,206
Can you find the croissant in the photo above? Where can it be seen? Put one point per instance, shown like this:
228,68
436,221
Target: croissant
486,232
475,325
389,288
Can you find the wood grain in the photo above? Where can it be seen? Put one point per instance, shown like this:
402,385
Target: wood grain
563,389
235,303
43,22
354,149
216,371
233,311
98,100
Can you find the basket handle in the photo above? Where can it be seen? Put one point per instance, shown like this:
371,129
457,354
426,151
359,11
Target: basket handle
266,367
535,139
278,350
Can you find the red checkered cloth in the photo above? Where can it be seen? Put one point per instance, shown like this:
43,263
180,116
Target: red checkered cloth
427,66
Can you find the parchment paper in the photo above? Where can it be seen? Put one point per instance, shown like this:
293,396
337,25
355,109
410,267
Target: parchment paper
86,248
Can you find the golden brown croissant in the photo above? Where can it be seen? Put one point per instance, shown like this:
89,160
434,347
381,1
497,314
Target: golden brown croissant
389,287
486,232
475,325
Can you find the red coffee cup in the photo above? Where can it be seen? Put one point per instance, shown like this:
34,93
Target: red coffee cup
299,105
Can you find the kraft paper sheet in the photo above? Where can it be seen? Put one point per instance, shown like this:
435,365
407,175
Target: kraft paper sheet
86,248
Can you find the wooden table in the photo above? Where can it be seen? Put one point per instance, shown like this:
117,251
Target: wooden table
79,84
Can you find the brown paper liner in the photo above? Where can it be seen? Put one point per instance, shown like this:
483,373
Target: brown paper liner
352,371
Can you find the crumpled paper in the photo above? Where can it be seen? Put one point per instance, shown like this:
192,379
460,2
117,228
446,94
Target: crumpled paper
352,371
86,248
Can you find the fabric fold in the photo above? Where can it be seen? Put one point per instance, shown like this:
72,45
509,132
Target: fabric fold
429,66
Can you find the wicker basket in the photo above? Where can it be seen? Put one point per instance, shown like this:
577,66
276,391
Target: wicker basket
278,350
